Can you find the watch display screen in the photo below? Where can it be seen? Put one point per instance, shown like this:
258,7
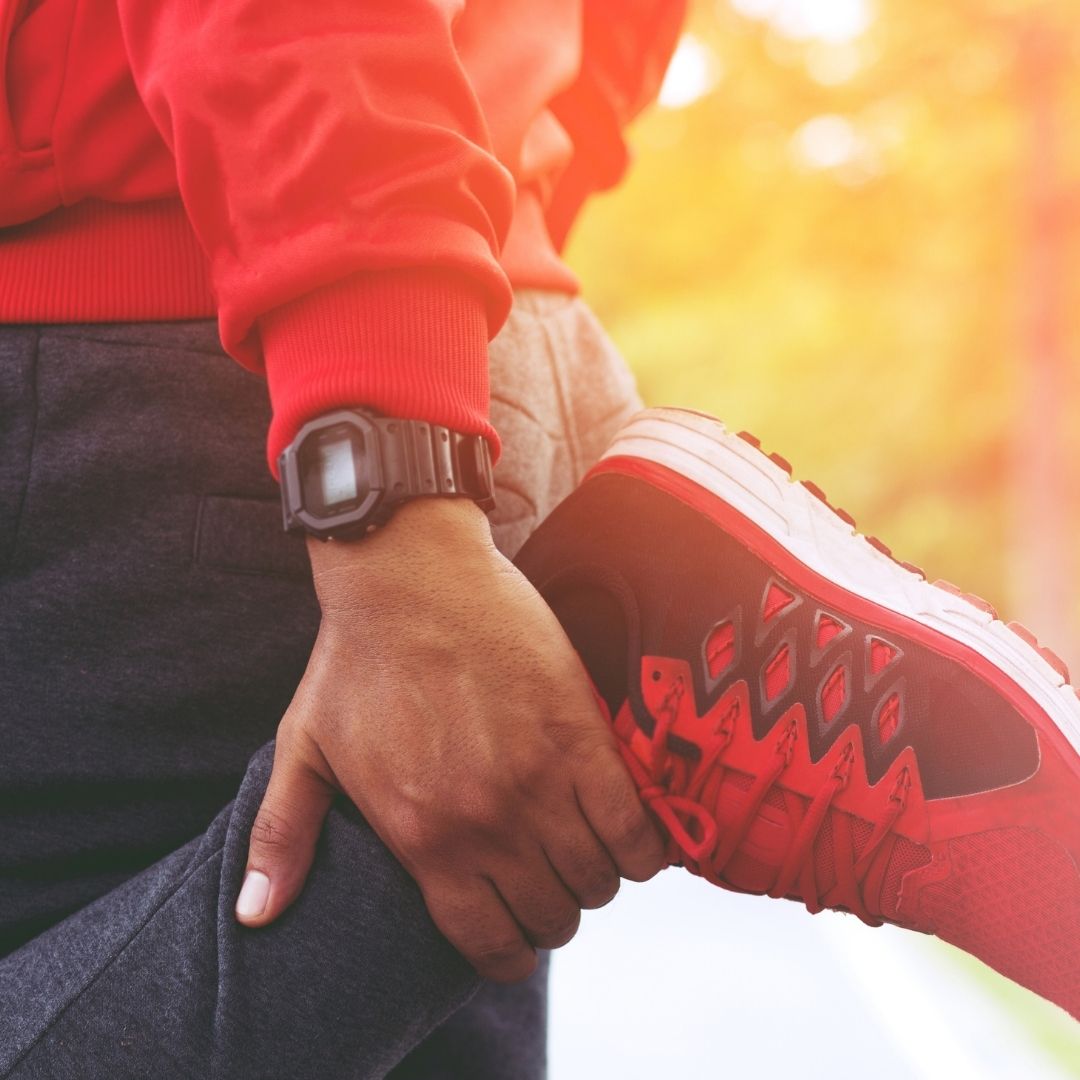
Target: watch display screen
337,473
332,476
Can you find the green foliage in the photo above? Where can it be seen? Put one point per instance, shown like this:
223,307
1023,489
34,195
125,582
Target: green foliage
866,318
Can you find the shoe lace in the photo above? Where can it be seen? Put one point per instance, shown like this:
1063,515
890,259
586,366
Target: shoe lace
696,836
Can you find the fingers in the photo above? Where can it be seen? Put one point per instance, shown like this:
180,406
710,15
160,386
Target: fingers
497,925
583,865
283,837
539,902
479,925
610,802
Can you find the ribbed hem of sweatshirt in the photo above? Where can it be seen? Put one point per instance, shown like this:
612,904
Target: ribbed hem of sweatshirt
104,262
407,343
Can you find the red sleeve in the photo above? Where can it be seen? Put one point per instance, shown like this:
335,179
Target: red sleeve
628,45
336,167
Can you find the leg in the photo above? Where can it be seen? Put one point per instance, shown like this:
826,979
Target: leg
154,621
158,979
209,518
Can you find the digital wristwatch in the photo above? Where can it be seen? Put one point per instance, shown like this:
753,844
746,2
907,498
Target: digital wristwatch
347,471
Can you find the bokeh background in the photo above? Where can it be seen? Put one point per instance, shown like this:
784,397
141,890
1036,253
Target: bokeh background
852,229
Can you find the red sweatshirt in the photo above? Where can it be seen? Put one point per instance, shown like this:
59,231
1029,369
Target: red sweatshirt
351,186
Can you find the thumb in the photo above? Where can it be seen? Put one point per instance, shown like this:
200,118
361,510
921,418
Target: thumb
283,837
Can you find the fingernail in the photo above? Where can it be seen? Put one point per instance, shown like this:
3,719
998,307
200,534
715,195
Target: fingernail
253,895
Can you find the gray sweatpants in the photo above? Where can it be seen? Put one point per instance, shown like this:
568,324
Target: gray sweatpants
154,621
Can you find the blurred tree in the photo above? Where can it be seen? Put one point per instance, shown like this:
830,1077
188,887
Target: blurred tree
1042,466
854,233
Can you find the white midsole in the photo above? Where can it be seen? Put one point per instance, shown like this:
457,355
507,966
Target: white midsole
703,450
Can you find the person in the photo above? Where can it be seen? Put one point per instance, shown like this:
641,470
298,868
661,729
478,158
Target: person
352,193
803,722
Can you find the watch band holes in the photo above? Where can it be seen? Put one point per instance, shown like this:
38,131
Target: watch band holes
445,436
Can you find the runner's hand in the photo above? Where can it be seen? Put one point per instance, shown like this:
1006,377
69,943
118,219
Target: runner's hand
443,698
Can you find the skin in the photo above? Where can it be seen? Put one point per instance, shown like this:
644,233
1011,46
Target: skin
444,699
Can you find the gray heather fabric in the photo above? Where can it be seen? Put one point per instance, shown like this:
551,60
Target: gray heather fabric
154,621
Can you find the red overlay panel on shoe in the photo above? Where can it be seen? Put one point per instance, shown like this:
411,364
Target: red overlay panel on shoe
778,673
720,649
777,599
827,629
889,718
882,654
833,695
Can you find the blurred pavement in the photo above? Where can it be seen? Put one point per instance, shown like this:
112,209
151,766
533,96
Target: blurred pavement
678,979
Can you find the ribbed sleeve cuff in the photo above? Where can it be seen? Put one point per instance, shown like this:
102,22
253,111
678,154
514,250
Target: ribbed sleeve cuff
409,343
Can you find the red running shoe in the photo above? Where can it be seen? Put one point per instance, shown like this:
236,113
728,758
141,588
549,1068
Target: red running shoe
809,718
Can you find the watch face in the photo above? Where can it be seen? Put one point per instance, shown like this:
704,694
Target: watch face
337,473
332,475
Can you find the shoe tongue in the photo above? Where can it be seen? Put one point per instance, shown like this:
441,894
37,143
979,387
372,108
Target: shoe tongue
756,862
758,859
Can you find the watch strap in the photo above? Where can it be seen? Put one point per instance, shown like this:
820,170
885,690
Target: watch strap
420,458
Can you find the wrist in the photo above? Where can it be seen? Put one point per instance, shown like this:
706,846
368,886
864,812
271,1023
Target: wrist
425,537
